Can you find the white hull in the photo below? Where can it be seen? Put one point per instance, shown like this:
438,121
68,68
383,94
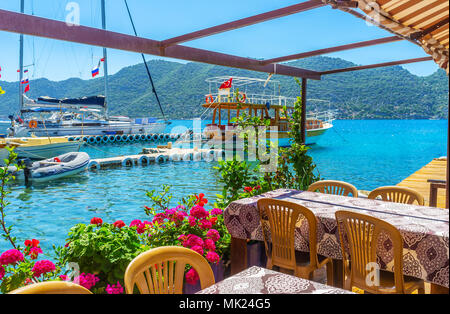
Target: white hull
44,151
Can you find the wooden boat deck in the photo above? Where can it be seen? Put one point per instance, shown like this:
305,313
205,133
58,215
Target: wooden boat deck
418,181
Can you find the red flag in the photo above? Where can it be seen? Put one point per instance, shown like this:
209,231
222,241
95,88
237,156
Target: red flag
27,88
226,84
102,59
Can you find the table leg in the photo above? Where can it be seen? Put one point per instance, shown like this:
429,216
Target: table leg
338,274
436,289
238,255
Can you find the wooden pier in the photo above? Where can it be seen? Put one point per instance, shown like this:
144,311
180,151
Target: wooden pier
435,170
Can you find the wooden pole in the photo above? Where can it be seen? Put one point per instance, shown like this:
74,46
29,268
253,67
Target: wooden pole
303,122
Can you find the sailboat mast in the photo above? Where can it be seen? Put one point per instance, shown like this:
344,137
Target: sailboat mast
22,10
105,56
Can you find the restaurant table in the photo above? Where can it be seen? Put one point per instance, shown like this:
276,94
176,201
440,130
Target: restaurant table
257,280
424,230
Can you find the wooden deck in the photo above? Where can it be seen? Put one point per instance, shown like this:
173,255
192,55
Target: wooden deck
436,169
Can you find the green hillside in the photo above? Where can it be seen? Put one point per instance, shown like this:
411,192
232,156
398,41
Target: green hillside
384,93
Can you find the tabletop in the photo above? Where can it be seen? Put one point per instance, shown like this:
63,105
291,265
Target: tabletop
425,230
257,280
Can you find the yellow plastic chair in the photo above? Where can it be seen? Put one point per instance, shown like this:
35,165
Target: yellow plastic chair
397,194
161,270
333,187
52,287
359,235
282,217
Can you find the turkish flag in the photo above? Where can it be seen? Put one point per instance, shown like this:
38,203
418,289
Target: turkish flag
27,88
226,84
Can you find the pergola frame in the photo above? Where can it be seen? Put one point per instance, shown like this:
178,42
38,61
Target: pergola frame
40,27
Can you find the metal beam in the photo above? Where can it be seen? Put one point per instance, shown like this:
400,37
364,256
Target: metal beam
296,8
334,49
378,65
420,34
41,27
303,122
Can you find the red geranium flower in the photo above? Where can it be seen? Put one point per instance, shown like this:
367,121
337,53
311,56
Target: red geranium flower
248,189
96,221
119,224
201,200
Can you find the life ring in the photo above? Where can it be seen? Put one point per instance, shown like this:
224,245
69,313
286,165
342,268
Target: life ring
209,99
241,97
33,124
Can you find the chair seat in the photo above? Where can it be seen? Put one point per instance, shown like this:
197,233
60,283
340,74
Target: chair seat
387,283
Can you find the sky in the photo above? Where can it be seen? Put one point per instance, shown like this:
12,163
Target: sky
159,20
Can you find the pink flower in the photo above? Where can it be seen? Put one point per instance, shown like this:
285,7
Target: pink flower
11,257
63,277
96,221
213,234
192,276
87,280
192,221
2,272
199,212
119,224
193,240
135,223
213,257
216,211
198,249
210,245
205,224
114,289
43,267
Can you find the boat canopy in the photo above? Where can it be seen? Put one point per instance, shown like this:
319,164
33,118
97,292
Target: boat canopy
84,101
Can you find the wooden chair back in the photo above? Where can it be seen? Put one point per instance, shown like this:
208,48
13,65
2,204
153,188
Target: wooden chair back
359,235
282,217
333,187
52,287
397,194
161,270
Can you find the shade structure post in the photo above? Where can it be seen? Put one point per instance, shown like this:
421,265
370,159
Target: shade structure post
447,192
303,122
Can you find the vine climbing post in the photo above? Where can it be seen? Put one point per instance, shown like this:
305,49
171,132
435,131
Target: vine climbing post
303,122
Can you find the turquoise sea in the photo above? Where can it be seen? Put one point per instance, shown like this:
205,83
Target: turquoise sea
366,153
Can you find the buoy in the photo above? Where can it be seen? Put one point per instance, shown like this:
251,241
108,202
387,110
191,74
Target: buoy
167,136
174,157
142,137
111,138
85,138
187,157
98,139
160,159
124,138
71,139
118,138
105,139
155,137
208,156
149,137
160,136
91,140
143,160
172,136
94,165
197,156
127,162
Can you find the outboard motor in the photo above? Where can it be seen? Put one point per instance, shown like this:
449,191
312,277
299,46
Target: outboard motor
27,164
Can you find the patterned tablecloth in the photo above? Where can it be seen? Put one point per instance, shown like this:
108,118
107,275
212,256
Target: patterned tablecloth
425,230
257,280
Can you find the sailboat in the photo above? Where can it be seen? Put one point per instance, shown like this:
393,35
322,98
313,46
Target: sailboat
49,116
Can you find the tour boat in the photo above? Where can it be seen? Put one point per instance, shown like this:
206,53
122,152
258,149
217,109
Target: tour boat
255,97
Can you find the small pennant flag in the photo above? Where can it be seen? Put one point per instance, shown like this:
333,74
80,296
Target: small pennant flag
226,84
95,71
2,91
27,88
25,81
102,59
26,71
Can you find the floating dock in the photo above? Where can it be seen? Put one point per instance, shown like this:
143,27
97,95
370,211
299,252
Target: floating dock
157,155
418,181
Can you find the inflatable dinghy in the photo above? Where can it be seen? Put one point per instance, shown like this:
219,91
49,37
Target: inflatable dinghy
58,167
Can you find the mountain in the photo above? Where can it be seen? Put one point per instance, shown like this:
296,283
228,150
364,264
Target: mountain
383,93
